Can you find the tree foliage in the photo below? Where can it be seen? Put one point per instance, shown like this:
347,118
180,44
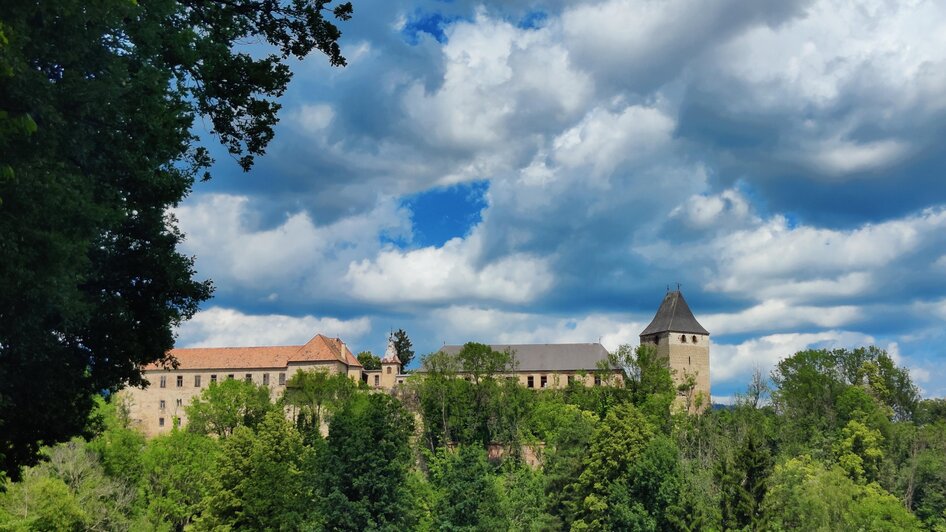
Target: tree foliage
222,407
97,103
403,347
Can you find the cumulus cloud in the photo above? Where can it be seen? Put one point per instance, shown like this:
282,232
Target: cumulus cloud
218,326
452,271
778,157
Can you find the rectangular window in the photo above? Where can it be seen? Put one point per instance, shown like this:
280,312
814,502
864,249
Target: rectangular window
213,379
160,421
180,381
196,381
180,402
265,379
249,377
230,377
377,380
530,382
389,370
282,379
571,380
164,381
161,404
543,381
597,380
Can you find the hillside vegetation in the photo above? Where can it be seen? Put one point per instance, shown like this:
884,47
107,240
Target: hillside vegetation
832,440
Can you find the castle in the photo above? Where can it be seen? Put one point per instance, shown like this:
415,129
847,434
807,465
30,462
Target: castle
674,331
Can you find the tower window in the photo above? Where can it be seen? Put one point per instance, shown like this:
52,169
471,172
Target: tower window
694,338
683,338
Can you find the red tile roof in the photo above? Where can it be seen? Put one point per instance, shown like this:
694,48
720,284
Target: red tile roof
318,349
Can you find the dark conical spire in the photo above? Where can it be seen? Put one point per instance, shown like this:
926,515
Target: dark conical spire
674,315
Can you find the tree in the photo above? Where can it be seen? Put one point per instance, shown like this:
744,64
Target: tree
178,472
92,284
368,360
805,495
467,491
403,347
314,396
363,467
617,442
260,482
222,407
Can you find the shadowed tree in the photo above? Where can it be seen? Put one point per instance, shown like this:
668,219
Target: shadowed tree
92,283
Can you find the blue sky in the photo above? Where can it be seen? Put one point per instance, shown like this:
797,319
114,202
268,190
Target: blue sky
518,172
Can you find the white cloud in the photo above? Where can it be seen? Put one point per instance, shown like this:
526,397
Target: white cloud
449,272
224,327
731,362
844,157
727,209
773,314
314,118
460,324
495,76
294,259
603,140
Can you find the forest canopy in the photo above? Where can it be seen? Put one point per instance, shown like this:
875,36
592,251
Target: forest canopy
447,453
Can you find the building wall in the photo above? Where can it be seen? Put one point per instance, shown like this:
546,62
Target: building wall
687,358
145,404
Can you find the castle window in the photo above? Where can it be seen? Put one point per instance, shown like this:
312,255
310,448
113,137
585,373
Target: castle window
683,338
694,338
689,362
161,404
249,377
265,379
180,402
377,381
213,379
389,370
160,421
530,381
597,380
196,381
164,381
543,381
180,381
282,379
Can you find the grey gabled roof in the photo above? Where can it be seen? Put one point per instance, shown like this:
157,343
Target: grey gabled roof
674,315
549,357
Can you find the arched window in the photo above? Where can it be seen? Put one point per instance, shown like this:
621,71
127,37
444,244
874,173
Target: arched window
694,338
683,338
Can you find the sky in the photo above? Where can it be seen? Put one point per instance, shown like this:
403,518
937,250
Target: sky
524,172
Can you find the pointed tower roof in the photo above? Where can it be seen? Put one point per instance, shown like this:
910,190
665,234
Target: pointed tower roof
390,354
674,315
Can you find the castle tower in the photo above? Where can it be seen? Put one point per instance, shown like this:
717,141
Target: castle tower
685,344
